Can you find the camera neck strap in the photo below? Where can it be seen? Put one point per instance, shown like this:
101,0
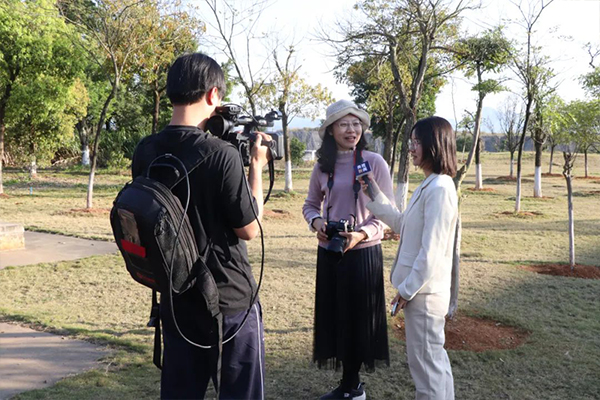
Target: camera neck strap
355,186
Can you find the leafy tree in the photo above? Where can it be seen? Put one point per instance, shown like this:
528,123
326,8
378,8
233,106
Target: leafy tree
530,69
372,85
43,114
410,35
32,47
297,148
293,96
176,32
116,32
591,80
539,127
572,125
479,55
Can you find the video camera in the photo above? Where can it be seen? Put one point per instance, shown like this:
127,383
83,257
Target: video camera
228,117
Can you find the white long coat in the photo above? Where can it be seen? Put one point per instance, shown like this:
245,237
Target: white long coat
427,228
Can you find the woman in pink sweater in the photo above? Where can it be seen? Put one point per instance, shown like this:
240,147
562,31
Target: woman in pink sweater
350,319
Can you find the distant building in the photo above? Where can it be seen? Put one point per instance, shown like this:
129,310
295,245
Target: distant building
309,155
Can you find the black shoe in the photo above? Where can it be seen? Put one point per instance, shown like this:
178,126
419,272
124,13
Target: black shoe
343,394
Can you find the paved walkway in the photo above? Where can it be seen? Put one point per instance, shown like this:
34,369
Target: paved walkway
30,359
45,247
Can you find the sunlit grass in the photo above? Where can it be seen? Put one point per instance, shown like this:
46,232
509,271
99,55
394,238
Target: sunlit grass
95,299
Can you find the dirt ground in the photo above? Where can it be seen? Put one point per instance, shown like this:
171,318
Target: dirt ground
474,334
580,271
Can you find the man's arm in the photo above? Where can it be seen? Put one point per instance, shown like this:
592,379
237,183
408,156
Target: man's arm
260,155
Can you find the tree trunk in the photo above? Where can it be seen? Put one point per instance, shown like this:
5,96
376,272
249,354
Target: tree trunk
83,133
567,175
90,191
455,281
537,186
85,156
478,174
2,130
156,108
389,135
33,165
401,196
3,104
520,154
395,148
288,151
585,162
512,164
551,159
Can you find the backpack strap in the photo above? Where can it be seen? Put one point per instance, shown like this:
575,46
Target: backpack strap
155,322
216,355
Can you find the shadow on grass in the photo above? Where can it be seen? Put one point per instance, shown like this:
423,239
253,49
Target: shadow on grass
560,358
533,224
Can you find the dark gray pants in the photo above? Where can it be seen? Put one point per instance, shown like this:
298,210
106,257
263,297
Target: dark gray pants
186,369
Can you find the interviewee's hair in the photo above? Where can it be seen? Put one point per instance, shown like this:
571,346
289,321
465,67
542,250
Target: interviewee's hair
438,142
327,153
191,76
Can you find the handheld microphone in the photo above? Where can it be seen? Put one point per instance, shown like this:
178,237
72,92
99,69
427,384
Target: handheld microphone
361,170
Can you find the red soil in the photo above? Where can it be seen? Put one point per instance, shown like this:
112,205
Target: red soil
474,334
580,271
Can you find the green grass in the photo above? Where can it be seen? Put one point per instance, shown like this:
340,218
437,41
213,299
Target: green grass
96,300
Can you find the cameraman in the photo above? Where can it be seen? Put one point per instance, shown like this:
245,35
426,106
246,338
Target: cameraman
350,318
223,213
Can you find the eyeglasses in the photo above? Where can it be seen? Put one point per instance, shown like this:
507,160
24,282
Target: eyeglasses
344,125
413,144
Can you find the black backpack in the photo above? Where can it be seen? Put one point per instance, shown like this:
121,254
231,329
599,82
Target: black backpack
156,240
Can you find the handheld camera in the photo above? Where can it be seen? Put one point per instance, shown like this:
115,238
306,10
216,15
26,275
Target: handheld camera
336,241
229,116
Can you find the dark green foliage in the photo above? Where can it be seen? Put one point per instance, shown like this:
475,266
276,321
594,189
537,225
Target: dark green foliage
297,150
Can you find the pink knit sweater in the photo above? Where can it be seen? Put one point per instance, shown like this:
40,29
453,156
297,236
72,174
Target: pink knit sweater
342,196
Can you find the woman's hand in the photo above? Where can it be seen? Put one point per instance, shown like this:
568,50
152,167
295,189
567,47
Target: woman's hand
401,304
354,238
320,225
370,189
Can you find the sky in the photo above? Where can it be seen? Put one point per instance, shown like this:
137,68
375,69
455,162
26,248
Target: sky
562,31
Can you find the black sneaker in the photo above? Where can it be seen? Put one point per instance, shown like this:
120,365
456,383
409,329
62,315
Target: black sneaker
343,394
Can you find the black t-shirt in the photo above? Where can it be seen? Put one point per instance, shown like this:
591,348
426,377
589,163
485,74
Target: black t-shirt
220,200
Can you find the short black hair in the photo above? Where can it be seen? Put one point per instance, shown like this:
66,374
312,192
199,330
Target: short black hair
438,142
193,75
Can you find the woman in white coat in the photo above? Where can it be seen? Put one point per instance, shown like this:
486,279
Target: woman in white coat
422,270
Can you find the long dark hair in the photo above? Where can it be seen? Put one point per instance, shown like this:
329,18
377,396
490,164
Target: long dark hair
438,142
327,153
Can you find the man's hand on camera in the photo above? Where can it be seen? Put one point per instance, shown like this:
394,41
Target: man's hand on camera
260,152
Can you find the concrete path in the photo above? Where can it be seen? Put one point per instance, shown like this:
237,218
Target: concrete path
45,247
30,359
34,360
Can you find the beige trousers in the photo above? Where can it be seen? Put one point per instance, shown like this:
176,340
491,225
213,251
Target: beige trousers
428,361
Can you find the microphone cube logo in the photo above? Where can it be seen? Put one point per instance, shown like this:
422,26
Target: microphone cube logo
362,168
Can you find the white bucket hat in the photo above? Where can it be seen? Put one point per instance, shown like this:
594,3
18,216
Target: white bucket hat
340,109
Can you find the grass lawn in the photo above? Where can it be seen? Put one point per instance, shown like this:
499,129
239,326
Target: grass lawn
95,299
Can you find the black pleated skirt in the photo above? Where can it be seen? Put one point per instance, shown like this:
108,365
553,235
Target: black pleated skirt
350,312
